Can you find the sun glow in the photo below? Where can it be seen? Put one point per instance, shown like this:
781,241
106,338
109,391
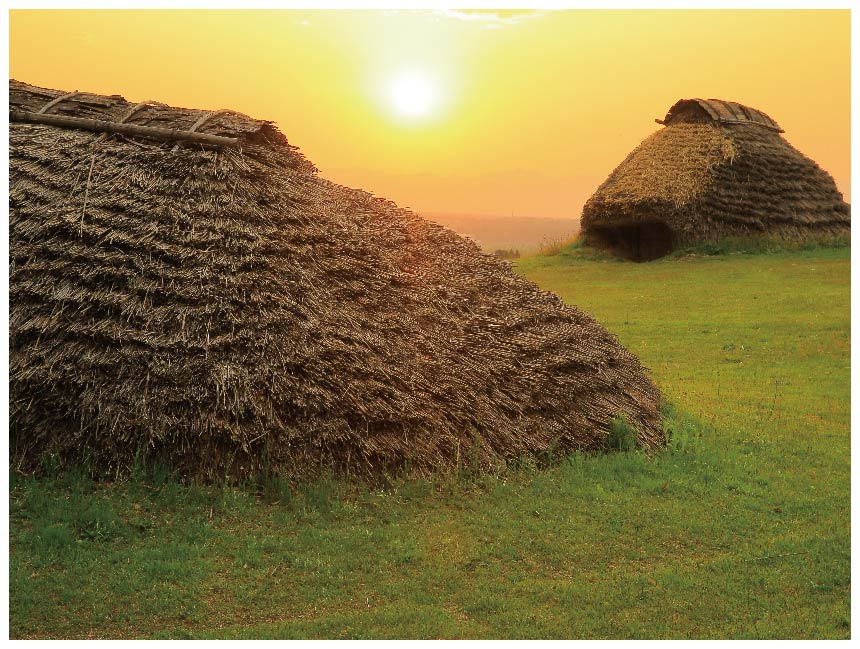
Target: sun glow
462,112
413,95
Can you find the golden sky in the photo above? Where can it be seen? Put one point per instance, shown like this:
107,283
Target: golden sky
467,112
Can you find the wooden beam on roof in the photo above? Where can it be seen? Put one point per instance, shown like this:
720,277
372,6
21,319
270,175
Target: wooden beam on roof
102,126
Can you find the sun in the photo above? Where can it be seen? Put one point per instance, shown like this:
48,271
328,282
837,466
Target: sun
413,95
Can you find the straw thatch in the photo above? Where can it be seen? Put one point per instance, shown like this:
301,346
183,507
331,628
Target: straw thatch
229,309
717,169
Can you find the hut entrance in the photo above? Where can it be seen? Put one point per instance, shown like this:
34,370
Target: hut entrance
635,241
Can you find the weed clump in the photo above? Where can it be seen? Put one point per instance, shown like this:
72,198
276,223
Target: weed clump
622,436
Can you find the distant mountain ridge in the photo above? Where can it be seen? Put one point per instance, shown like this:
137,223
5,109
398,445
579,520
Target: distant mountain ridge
494,232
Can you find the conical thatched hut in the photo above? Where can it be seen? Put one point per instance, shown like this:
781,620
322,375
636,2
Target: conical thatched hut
184,284
718,169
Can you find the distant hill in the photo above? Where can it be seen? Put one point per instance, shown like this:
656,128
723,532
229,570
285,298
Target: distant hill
523,233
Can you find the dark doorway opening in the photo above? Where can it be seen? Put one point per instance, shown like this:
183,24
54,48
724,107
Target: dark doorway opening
635,241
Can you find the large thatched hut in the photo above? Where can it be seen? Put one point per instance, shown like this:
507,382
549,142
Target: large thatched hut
717,169
183,284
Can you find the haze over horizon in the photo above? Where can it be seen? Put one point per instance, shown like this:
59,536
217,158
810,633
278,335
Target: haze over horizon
461,112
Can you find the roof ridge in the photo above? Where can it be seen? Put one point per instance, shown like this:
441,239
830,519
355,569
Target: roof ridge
724,112
115,114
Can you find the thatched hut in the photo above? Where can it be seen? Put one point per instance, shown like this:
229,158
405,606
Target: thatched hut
717,169
184,284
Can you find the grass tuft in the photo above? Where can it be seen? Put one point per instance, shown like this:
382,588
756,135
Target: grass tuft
622,436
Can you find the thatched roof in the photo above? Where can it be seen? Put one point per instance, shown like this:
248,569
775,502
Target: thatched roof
704,177
226,307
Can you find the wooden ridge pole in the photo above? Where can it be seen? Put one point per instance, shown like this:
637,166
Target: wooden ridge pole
124,129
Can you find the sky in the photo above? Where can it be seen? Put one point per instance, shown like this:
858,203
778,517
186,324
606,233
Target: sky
479,112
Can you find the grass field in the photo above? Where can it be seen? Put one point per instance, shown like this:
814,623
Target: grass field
741,528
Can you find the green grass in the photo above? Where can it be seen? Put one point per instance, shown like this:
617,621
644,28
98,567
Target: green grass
764,245
576,247
739,529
